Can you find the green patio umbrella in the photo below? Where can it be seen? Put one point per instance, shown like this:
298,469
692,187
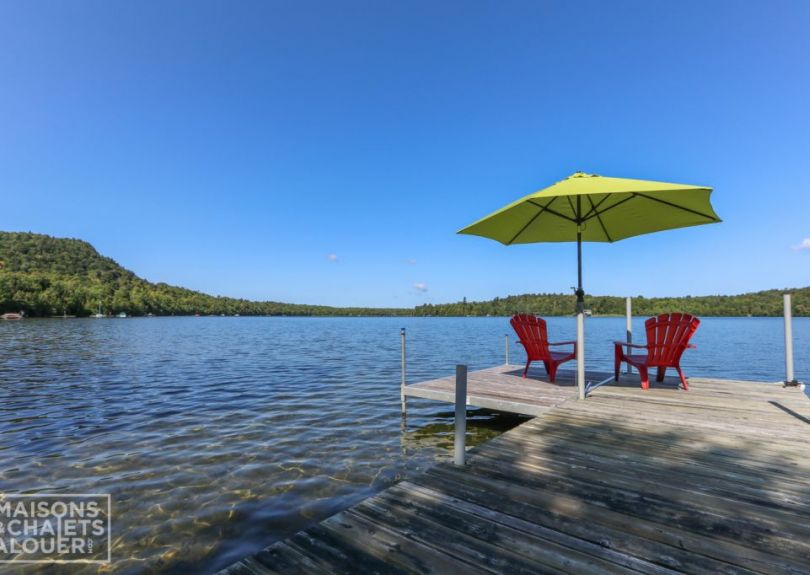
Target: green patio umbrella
590,208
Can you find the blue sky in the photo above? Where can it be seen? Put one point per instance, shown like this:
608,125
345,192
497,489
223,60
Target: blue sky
233,147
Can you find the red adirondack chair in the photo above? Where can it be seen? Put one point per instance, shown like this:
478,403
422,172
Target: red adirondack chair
533,336
668,337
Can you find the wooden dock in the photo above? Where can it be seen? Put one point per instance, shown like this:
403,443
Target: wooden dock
504,388
713,480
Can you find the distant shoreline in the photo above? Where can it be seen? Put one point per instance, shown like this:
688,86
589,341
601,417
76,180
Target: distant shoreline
45,276
337,316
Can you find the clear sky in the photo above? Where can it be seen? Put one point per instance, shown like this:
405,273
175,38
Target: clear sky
327,152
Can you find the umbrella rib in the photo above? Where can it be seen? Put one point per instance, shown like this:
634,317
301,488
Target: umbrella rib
545,208
573,209
620,202
595,208
534,217
677,206
598,217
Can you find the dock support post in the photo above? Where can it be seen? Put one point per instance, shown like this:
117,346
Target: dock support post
461,414
629,313
506,343
402,397
581,353
789,378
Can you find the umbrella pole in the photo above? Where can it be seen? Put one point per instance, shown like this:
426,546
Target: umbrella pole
580,319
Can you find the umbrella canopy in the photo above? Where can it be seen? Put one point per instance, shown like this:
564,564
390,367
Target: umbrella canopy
599,209
591,208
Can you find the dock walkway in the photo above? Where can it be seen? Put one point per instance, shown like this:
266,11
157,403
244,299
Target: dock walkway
503,388
713,480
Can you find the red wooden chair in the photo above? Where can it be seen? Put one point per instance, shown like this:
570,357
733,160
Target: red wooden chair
668,337
534,338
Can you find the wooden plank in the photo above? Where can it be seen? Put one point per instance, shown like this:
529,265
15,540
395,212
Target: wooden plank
330,551
600,527
656,462
756,532
501,388
399,551
539,544
250,566
452,540
690,551
677,490
690,424
497,404
282,558
728,443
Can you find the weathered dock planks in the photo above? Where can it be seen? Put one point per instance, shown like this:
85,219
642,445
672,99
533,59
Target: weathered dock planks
713,480
503,388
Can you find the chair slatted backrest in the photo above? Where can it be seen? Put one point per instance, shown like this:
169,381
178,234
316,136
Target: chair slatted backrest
533,334
668,335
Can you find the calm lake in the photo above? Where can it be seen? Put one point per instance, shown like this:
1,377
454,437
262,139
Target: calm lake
217,436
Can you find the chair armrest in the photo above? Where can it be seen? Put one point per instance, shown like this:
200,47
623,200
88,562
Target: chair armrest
627,344
562,342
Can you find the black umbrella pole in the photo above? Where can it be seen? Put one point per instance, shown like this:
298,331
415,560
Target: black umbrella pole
580,292
580,321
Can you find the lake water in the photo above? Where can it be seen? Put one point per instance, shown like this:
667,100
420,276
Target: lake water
217,436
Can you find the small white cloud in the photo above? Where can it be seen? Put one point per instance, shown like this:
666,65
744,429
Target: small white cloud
804,245
332,257
420,286
410,262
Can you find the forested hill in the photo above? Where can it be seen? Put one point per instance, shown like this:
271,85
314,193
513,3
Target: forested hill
46,276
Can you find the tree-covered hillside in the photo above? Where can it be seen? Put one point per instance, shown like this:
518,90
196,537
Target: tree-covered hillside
46,276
